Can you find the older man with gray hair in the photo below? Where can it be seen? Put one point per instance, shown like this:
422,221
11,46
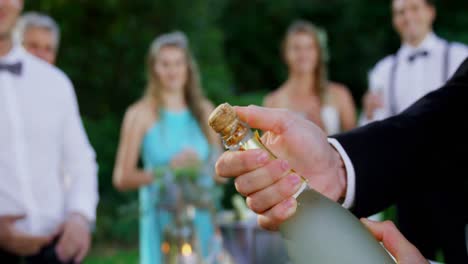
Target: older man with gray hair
45,217
39,34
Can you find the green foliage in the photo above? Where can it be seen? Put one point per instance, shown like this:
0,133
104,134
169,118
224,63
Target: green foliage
237,45
113,255
112,222
253,45
360,33
104,45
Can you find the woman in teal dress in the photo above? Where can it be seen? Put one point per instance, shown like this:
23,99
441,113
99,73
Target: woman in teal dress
167,128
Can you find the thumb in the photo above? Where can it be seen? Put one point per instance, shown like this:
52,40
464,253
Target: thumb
267,119
394,241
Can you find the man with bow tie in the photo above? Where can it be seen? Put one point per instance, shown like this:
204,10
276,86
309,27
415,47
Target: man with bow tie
423,63
43,217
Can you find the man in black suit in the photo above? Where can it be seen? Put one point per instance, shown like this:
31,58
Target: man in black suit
403,158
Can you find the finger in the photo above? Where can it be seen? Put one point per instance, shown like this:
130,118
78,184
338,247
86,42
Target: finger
66,253
61,249
13,218
190,151
174,163
32,239
261,178
283,189
30,245
273,218
379,98
392,239
236,163
81,254
42,241
183,155
377,101
384,231
268,119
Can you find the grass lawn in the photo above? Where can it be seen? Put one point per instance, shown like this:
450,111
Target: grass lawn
112,255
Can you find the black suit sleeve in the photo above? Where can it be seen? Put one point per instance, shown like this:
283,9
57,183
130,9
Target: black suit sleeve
420,150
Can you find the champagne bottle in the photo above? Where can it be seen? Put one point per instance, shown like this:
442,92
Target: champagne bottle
321,230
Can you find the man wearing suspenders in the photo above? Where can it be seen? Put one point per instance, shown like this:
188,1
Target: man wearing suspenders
422,64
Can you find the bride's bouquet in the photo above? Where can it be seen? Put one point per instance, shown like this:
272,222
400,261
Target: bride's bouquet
188,185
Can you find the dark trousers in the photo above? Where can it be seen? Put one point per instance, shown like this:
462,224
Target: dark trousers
47,255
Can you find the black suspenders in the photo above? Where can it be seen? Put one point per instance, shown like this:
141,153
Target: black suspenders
393,70
391,90
446,67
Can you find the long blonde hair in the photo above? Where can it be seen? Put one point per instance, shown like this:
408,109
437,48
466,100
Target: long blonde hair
193,93
320,73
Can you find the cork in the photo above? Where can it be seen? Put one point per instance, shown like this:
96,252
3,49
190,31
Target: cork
223,119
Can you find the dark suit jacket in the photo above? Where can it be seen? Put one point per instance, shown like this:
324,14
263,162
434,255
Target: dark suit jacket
421,152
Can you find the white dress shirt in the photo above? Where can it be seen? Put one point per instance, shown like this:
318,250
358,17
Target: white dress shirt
350,173
414,79
42,139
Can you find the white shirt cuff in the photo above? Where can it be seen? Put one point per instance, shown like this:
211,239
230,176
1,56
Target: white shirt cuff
350,174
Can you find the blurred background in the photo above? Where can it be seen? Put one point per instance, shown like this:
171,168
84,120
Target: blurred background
237,46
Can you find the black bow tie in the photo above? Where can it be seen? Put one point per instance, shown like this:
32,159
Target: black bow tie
417,54
15,68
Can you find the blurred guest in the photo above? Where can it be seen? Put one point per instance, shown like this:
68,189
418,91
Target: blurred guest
168,126
41,136
39,34
422,64
307,89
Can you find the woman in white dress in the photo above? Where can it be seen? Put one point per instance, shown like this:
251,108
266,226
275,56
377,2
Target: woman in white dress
307,89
